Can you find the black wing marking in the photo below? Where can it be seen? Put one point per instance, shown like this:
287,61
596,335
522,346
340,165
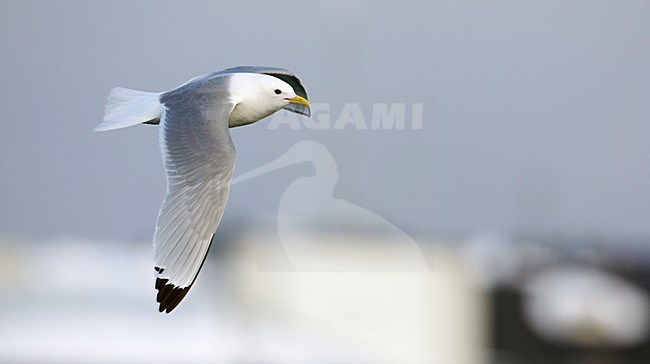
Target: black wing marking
169,295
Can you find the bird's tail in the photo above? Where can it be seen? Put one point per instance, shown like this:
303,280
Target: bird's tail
126,107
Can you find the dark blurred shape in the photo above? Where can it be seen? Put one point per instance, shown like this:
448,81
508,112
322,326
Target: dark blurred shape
604,278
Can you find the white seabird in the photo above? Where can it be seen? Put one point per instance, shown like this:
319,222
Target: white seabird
199,156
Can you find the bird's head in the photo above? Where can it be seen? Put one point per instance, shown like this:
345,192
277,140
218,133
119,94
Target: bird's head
257,96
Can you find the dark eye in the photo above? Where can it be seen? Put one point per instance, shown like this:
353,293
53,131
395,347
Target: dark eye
277,91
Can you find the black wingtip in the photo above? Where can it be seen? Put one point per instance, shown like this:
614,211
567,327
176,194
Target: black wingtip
169,295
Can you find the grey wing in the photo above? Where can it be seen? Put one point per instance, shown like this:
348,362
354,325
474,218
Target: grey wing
199,158
283,74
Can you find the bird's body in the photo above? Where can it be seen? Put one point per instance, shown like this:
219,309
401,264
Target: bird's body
199,156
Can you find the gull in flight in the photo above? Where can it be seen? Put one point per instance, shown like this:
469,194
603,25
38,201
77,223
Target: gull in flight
199,156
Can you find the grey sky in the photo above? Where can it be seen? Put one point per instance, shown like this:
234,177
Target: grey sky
535,113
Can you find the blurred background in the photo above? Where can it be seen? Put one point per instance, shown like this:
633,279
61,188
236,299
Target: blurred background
507,221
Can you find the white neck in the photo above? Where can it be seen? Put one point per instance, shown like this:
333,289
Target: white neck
250,104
